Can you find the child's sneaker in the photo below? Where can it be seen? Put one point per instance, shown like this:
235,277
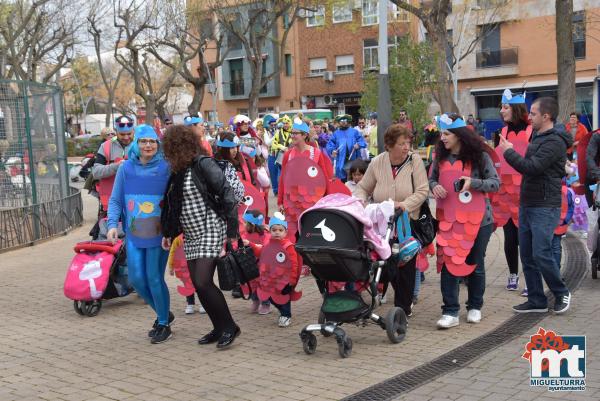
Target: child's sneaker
513,282
525,293
284,321
201,310
383,300
264,309
189,309
305,271
254,306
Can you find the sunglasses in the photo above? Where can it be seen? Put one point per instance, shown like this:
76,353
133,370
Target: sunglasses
144,142
123,125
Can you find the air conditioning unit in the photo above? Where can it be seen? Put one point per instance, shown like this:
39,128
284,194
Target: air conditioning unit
357,4
328,76
328,100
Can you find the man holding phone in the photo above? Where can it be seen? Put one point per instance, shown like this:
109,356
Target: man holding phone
542,167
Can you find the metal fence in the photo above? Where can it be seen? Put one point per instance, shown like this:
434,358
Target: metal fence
36,201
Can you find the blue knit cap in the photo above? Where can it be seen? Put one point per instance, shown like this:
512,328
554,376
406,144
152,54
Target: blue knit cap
143,131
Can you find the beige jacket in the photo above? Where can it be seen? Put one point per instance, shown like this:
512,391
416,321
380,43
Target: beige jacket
379,182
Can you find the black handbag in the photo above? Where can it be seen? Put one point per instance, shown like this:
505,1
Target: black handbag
246,266
226,272
425,227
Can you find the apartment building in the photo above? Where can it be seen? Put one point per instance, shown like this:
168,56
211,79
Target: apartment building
520,53
339,46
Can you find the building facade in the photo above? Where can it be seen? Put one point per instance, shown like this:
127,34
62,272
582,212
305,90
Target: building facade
519,53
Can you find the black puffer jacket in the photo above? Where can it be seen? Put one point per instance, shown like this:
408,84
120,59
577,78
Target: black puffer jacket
216,192
543,168
593,158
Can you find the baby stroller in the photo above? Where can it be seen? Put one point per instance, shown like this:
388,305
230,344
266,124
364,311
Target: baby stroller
97,272
332,244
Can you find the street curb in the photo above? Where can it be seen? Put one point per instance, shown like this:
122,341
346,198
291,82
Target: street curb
459,357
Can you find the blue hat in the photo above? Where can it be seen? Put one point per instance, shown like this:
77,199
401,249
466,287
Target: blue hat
226,143
191,120
256,220
302,127
267,119
142,131
509,98
145,131
444,122
373,116
278,219
124,124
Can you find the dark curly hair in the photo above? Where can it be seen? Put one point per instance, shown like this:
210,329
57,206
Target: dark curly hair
180,146
472,146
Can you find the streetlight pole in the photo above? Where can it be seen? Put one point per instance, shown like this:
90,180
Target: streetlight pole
384,103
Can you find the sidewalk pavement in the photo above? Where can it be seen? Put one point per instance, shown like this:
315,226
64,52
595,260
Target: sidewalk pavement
502,374
49,352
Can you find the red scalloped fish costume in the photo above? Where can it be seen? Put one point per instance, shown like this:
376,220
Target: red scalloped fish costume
253,200
505,203
178,264
459,215
278,267
561,229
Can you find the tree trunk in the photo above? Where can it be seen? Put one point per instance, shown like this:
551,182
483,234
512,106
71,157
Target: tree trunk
253,101
150,103
443,93
108,116
194,106
565,57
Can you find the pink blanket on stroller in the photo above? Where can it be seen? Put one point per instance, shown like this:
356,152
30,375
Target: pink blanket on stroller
354,207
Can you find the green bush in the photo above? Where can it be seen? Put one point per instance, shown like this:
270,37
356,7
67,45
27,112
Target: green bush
82,148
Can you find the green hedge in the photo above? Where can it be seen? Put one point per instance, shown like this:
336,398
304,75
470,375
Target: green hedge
82,148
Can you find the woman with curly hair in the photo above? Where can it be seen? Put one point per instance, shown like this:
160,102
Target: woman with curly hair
201,202
461,174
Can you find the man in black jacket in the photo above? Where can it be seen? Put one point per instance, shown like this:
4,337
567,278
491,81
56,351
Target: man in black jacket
543,168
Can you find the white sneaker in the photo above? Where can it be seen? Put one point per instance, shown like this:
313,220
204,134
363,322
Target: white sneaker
201,310
447,321
284,321
474,316
189,309
383,300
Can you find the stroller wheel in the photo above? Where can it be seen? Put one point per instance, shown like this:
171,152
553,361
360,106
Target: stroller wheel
309,343
345,346
322,320
395,325
77,306
92,308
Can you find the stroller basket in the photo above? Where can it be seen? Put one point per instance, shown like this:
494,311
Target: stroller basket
343,306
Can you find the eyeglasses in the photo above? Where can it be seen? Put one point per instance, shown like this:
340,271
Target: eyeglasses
145,142
123,125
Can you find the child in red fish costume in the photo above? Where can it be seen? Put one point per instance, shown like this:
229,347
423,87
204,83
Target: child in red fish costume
177,264
255,233
461,175
279,270
505,203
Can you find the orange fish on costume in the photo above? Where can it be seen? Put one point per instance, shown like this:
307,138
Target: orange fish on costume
460,215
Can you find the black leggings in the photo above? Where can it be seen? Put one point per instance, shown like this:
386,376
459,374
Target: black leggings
403,283
202,271
511,246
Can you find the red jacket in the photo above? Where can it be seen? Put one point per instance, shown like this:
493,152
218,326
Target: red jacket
579,134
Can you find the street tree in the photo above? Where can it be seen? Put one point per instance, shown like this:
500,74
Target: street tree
195,24
433,14
411,67
256,24
565,58
138,25
37,38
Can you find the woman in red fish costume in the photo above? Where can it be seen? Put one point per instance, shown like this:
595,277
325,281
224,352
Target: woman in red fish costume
461,175
279,270
505,203
305,176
